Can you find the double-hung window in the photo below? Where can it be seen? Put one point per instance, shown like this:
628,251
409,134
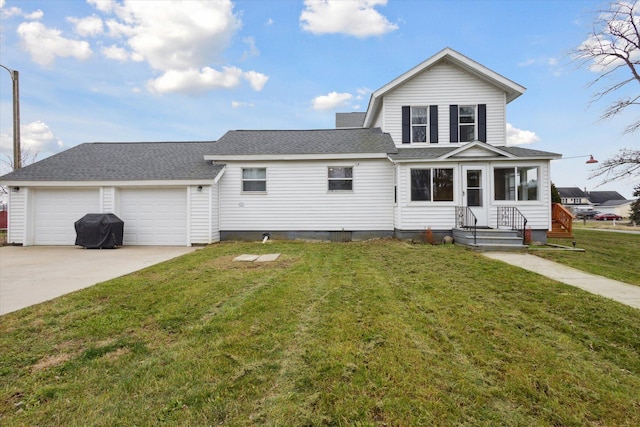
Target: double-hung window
254,180
340,178
467,123
432,185
419,124
516,183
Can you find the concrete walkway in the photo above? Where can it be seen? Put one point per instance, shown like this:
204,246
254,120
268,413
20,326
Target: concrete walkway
617,291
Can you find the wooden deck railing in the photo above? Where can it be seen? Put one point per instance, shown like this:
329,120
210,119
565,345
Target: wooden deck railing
562,216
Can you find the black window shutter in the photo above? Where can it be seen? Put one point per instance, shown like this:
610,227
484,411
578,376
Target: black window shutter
406,125
482,122
453,123
433,124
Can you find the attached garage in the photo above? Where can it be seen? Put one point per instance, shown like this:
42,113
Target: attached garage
56,211
165,193
156,216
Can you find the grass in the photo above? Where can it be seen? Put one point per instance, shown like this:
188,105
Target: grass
376,333
609,254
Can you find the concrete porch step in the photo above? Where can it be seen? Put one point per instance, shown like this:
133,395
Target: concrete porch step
488,239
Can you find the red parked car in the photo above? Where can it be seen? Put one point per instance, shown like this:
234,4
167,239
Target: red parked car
606,217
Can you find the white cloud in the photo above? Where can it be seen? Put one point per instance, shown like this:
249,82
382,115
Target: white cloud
517,136
252,50
16,11
238,104
330,101
194,80
181,40
255,79
35,15
88,26
45,44
106,6
176,35
355,18
269,22
36,138
116,53
362,92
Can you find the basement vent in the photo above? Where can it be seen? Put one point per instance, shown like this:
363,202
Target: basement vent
340,236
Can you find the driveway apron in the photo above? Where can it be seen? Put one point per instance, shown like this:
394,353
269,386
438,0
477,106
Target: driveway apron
34,274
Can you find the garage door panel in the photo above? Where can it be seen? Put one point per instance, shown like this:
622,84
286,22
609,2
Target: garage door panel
154,216
56,211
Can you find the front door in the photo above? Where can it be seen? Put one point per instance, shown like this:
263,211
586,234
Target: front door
474,192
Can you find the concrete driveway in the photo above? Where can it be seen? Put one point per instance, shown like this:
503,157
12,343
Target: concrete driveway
33,274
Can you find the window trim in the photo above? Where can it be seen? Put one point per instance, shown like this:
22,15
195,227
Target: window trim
516,199
475,122
243,180
330,179
432,174
425,124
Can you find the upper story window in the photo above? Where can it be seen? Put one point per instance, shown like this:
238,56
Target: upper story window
340,178
419,124
254,180
468,123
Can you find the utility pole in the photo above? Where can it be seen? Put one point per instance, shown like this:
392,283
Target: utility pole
17,161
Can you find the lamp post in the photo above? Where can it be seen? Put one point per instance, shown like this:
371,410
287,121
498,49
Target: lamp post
588,162
17,161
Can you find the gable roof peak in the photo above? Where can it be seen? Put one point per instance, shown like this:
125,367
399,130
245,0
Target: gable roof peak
511,88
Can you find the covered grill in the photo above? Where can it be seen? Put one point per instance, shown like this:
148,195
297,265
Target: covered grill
98,231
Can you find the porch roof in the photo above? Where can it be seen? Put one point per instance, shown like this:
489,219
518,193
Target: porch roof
438,153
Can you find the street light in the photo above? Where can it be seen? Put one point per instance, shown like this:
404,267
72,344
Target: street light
17,161
588,162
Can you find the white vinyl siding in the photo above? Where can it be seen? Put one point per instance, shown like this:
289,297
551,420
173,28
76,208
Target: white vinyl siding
298,198
17,215
443,85
200,214
57,210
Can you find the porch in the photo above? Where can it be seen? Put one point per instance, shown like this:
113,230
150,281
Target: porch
510,233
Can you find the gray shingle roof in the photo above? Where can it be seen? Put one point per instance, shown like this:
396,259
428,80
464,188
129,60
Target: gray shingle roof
288,142
599,197
350,120
435,151
571,192
123,161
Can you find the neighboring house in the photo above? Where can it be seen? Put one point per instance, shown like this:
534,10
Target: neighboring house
573,197
431,145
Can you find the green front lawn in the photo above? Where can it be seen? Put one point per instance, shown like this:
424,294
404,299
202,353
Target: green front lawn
376,333
609,254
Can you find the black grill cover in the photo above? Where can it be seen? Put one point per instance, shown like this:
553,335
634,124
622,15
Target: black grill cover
98,231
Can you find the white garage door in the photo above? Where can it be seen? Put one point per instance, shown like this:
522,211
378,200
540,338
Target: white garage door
154,216
56,211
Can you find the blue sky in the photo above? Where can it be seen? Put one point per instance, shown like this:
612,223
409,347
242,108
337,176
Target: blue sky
143,70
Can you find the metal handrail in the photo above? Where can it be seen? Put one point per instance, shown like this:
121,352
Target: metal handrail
467,219
512,218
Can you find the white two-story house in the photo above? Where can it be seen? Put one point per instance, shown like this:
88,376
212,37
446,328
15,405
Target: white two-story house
429,153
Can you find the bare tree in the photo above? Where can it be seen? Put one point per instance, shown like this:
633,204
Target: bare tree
624,164
27,156
612,50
